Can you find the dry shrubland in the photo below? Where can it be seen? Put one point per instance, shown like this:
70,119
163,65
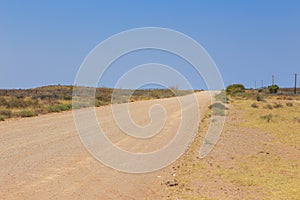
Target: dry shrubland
47,99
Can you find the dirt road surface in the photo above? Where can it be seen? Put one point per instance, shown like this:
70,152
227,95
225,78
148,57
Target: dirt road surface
43,158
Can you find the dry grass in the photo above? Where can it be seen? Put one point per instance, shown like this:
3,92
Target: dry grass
276,172
254,159
283,124
48,99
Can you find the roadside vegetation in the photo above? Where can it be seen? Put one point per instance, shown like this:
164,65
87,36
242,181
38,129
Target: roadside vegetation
257,156
275,168
49,99
219,108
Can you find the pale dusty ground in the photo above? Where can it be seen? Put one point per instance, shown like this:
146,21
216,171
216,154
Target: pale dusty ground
246,163
42,157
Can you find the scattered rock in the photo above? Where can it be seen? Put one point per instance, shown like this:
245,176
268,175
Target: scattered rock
172,183
263,152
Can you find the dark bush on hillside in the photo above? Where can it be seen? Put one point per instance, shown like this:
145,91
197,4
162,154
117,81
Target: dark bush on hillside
104,98
3,101
235,89
68,98
5,113
16,103
289,104
259,98
20,103
273,89
100,103
44,97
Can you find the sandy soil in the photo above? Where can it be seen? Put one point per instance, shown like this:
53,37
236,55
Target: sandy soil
246,163
43,158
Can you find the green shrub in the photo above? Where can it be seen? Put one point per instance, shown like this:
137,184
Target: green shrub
222,97
67,97
100,103
218,109
59,107
235,89
2,118
27,113
53,108
268,117
217,105
273,89
65,107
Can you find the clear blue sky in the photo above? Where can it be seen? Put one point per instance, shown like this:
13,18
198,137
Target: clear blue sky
44,42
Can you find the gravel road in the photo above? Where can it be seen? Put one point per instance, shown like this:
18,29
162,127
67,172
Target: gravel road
43,158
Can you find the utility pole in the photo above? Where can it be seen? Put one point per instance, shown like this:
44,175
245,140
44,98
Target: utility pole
295,88
273,80
262,84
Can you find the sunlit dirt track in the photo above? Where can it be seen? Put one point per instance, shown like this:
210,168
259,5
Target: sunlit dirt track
43,158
